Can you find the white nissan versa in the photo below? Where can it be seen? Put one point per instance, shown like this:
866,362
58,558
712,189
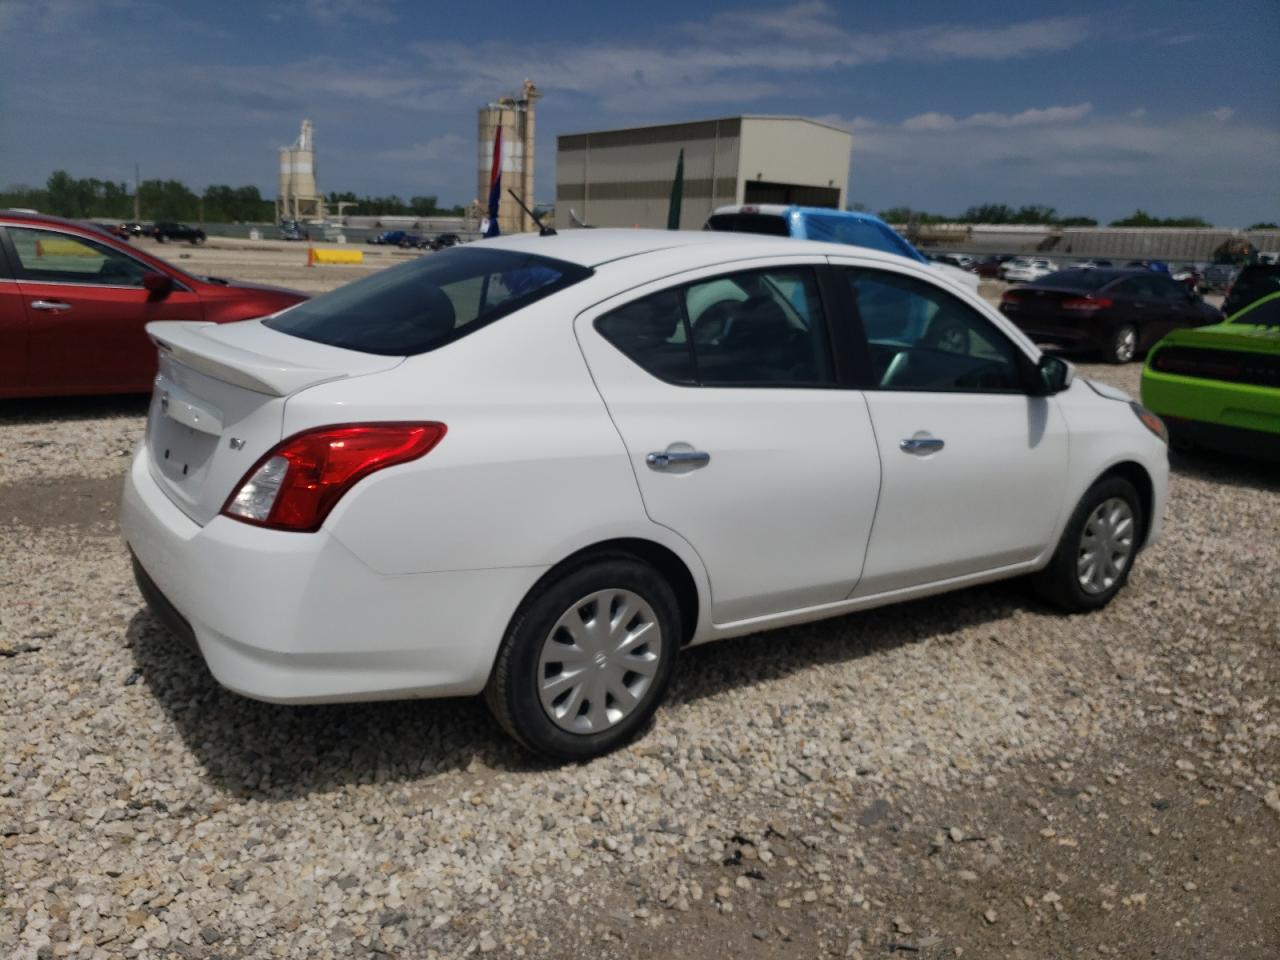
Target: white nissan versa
538,467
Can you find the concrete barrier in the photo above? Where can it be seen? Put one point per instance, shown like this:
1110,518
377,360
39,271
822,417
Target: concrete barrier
321,255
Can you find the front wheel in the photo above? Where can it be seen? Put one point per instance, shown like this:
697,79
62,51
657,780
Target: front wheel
587,658
1097,549
1123,345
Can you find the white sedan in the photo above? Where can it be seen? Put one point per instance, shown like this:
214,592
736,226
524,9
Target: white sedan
1027,269
539,467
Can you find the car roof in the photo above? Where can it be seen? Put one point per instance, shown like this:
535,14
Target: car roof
44,219
594,247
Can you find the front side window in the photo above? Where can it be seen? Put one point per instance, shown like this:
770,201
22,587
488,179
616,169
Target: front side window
48,256
424,304
923,338
756,328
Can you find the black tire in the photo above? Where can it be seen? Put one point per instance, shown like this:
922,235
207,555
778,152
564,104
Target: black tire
161,238
1059,583
512,691
1122,346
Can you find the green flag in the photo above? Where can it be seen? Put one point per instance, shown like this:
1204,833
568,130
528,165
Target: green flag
677,195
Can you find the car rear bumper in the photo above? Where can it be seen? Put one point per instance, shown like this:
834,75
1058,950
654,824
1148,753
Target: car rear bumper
1241,442
298,618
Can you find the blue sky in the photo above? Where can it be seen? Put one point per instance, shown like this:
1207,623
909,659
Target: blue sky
1094,108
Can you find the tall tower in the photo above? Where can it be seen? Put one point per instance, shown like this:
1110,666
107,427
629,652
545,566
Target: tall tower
516,119
298,196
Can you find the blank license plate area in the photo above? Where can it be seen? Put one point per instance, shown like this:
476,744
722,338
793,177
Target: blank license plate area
181,452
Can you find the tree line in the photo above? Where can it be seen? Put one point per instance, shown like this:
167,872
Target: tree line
1038,215
83,198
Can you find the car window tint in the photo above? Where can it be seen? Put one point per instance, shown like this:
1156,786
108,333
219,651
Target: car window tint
1264,315
54,257
651,332
769,224
923,338
421,305
759,328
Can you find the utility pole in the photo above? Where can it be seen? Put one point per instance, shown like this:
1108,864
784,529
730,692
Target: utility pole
137,209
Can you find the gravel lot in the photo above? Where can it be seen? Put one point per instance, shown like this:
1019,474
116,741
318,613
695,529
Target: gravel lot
968,775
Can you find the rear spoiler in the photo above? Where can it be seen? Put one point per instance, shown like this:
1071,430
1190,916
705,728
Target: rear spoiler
188,343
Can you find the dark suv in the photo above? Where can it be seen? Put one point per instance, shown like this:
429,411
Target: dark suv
177,231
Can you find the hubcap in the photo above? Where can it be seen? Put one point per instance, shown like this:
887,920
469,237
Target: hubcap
1105,546
599,661
1126,344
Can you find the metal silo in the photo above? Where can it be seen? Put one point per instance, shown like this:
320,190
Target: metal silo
516,118
304,163
298,196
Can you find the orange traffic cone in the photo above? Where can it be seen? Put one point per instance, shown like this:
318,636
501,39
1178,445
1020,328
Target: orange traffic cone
311,256
39,249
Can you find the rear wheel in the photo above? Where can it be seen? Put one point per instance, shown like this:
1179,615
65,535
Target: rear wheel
1123,345
1097,549
587,658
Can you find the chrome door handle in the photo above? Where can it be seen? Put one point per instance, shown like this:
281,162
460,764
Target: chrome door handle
693,458
54,306
921,445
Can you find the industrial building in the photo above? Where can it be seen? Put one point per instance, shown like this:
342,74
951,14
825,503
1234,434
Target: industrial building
515,117
298,197
623,178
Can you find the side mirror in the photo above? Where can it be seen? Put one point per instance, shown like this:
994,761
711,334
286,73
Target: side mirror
157,284
1055,375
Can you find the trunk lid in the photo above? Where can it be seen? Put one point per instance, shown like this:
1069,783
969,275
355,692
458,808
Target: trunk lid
1042,301
219,401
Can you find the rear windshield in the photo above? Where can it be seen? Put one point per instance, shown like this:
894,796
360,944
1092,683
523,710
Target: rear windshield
1077,279
768,223
1265,314
429,302
833,228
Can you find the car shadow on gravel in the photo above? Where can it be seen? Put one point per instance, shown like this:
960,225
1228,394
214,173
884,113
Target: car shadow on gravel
739,663
1226,469
270,752
60,409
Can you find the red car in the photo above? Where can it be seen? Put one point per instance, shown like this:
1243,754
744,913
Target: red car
74,302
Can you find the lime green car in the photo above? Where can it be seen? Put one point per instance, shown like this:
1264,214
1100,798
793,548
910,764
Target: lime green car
1219,386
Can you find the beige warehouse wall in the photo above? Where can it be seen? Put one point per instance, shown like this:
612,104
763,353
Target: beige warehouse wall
787,150
623,178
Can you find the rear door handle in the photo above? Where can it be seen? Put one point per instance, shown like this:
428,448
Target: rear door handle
669,458
53,306
921,445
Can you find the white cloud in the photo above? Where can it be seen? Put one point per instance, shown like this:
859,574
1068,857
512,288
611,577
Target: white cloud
1028,151
330,12
731,58
1139,113
1033,117
1222,114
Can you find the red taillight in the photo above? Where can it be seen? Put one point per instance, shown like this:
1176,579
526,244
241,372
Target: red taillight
1086,304
302,478
1010,296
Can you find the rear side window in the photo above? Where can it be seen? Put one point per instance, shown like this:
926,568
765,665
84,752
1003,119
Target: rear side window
418,306
756,328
